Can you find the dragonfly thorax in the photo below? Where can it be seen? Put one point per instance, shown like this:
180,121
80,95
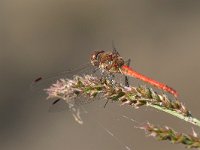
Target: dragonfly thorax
107,61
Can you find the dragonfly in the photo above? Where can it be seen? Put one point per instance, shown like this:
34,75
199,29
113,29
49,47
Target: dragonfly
112,62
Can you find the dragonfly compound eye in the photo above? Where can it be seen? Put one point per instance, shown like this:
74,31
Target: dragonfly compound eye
95,60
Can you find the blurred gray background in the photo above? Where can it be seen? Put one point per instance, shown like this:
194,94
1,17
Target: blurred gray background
43,37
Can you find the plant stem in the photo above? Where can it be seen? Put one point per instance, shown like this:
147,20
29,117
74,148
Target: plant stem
189,119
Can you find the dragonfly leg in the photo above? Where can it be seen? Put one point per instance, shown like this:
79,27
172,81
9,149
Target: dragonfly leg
110,79
126,77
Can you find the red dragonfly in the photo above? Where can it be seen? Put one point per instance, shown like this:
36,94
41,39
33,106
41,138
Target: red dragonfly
112,63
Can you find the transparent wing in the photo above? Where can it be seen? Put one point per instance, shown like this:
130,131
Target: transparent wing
57,105
44,81
61,105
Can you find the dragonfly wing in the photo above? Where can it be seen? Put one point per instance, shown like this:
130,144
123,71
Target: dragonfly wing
41,83
62,105
45,81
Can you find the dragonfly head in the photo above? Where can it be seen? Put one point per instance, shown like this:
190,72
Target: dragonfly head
95,58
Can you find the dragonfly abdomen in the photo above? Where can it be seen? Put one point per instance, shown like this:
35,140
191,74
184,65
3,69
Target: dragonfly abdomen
130,72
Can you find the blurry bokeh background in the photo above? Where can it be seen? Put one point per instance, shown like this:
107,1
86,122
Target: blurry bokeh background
43,37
